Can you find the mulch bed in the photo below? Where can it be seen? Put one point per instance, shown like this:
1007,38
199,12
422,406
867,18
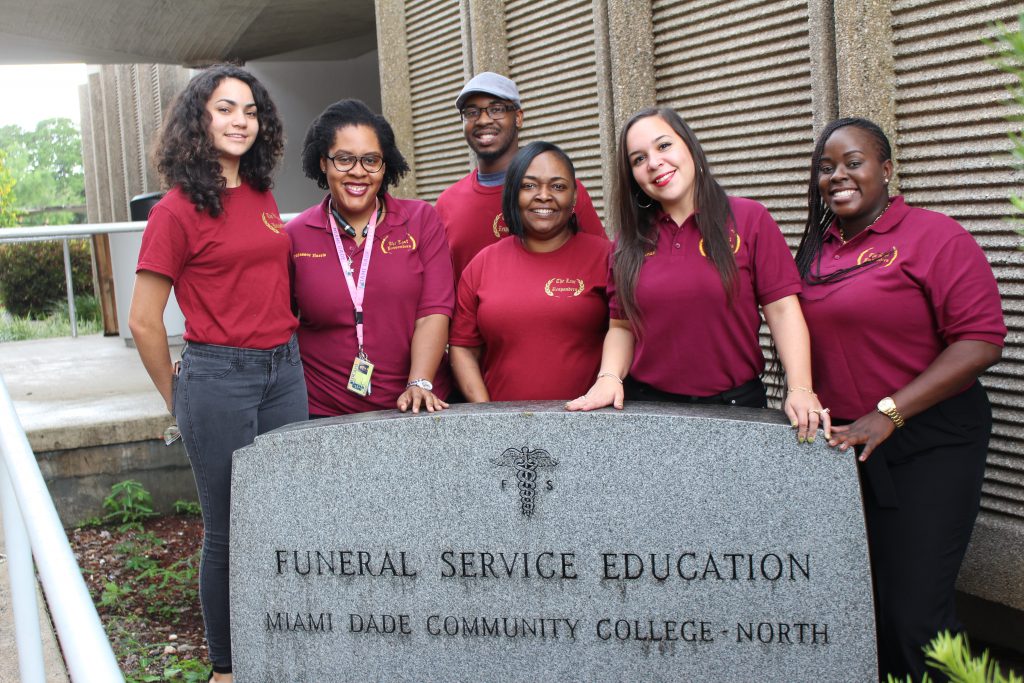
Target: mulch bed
145,586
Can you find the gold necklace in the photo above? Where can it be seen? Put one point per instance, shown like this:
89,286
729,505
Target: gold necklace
842,235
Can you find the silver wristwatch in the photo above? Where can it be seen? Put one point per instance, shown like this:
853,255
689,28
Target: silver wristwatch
424,384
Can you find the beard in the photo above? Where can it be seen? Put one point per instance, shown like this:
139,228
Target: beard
494,153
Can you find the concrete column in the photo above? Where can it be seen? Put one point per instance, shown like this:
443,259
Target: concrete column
395,87
824,92
100,171
624,42
102,275
88,154
865,67
115,148
131,125
484,36
149,122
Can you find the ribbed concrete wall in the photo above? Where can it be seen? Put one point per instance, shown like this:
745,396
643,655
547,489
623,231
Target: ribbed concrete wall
757,80
126,107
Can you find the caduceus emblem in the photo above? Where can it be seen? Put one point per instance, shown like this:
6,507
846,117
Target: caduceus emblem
525,463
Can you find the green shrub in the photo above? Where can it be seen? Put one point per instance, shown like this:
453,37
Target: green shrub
87,309
951,656
187,507
129,504
55,324
32,275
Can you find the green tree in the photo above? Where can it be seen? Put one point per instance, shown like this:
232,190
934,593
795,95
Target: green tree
8,216
46,164
40,169
1009,45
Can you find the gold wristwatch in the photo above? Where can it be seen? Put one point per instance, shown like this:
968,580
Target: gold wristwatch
887,407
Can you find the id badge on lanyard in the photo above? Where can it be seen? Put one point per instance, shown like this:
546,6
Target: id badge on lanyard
359,379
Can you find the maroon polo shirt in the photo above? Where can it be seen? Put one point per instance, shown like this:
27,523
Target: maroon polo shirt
230,273
872,333
410,277
693,341
542,317
472,218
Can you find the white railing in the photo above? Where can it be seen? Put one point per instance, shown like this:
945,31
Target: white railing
32,527
43,233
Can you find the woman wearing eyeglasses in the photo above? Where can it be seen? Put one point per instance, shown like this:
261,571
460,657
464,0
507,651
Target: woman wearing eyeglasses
371,274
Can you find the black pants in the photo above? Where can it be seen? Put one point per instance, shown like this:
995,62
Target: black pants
749,395
922,489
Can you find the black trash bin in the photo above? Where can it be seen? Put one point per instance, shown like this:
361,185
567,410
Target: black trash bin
141,204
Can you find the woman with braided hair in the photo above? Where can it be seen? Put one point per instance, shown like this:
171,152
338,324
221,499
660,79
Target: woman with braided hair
904,315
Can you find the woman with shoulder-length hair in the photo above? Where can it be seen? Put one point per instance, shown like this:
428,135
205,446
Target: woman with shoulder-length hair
532,310
372,274
216,237
904,315
692,268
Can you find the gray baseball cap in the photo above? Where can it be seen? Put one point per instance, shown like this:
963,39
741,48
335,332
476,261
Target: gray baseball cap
490,83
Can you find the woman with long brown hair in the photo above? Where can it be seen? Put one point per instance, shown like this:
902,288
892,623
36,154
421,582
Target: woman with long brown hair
692,268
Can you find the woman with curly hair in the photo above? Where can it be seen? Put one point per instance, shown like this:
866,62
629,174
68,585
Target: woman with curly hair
372,275
217,238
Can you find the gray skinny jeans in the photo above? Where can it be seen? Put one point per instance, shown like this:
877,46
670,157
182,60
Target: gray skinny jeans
223,398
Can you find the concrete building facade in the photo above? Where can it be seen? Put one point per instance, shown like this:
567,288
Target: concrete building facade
756,81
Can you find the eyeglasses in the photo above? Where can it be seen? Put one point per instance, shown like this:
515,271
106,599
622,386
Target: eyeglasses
346,162
495,111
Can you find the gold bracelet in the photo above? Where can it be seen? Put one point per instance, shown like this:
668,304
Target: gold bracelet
809,391
610,374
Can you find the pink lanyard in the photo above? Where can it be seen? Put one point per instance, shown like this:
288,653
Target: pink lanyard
356,290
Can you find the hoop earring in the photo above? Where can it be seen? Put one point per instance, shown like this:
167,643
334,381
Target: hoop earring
643,206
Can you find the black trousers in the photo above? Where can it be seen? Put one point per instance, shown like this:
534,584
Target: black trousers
922,490
752,394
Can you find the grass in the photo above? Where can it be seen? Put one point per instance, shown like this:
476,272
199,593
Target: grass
56,323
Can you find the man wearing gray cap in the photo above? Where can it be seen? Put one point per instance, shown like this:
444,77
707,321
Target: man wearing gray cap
492,115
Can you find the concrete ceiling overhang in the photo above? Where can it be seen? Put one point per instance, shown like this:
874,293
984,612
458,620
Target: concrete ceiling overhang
185,32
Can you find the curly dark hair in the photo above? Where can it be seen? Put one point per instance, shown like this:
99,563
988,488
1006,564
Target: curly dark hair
819,215
322,131
186,156
514,178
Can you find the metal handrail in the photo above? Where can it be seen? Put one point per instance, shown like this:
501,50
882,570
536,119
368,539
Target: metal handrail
73,230
32,527
39,233
70,231
63,233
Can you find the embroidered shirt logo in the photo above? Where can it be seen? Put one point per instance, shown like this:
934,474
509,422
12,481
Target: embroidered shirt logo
390,244
564,287
309,254
498,227
734,240
273,222
885,258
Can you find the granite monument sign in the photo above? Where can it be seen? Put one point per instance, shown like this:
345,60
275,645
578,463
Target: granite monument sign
518,541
